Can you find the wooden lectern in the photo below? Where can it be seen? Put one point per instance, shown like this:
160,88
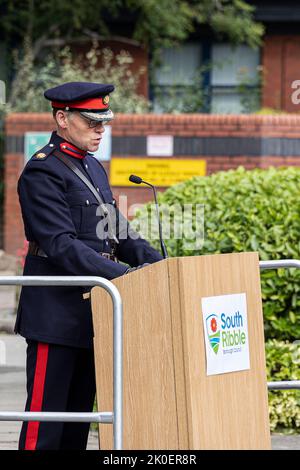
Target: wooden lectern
169,400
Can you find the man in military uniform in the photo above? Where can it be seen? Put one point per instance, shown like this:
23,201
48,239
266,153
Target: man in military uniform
60,191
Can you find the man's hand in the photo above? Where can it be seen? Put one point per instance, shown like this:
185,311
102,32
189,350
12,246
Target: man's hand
130,270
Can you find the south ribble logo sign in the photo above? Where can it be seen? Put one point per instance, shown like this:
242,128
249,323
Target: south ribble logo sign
231,333
226,333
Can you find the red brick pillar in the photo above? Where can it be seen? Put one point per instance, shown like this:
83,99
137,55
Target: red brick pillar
281,63
13,226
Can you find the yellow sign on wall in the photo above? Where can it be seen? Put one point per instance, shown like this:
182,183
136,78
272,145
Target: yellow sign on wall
158,171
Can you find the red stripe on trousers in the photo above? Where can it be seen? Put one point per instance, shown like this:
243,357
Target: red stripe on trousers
37,394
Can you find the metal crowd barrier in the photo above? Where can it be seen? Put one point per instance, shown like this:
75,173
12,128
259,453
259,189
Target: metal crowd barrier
116,416
283,263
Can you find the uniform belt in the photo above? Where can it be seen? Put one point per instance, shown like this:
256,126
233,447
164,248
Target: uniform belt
109,256
34,249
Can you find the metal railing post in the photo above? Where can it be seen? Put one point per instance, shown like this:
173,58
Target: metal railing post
116,417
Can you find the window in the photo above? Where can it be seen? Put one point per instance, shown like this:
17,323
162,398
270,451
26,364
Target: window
216,78
232,68
176,77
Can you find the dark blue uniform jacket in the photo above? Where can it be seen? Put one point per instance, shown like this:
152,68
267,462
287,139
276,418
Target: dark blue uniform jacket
59,214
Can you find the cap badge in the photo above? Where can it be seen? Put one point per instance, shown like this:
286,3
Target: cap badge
40,155
105,100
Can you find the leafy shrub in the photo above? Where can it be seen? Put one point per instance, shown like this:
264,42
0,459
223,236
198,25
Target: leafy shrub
257,210
32,79
284,406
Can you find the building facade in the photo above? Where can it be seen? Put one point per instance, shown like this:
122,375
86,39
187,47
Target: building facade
218,85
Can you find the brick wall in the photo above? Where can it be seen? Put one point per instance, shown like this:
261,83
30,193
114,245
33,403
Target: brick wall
224,141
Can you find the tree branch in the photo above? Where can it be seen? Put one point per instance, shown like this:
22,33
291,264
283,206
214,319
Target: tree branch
41,42
45,41
131,42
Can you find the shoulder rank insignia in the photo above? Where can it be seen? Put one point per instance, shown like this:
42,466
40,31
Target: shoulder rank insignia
44,152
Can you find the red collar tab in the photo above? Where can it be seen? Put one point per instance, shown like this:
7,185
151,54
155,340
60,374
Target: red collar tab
70,149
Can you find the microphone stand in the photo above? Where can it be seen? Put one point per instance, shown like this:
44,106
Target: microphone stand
137,180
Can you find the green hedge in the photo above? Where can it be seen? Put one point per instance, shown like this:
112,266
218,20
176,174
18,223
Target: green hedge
283,361
257,210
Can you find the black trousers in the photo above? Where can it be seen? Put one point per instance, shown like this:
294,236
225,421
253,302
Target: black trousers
59,378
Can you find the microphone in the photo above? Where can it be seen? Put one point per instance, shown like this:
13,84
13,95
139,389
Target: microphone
137,180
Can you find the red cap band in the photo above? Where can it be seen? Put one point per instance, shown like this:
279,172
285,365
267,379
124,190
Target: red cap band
91,103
